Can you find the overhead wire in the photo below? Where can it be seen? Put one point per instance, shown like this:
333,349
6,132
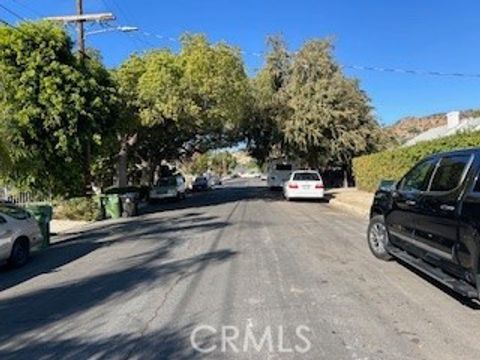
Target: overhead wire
134,36
11,12
128,19
28,8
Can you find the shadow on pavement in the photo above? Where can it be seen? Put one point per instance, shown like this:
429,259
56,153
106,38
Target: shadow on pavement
470,303
218,196
35,310
75,246
166,343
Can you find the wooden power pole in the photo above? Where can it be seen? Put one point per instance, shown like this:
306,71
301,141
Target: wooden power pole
80,19
80,29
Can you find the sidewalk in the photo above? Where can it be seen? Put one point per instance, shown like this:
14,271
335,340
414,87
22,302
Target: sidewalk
58,227
352,200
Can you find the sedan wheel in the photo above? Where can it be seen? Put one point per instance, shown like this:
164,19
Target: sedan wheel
378,238
20,253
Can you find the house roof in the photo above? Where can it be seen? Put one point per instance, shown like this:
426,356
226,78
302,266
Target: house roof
471,124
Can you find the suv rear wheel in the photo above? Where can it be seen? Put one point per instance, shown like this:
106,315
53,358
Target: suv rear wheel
20,252
378,237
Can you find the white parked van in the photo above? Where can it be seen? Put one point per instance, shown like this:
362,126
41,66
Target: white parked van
278,173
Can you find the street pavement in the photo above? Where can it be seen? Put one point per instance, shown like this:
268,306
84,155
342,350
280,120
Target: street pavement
233,273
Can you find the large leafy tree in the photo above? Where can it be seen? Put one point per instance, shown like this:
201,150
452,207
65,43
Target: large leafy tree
183,103
268,107
55,108
4,158
330,118
306,108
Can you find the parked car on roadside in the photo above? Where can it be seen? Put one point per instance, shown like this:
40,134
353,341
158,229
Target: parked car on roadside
278,173
214,180
200,184
171,187
430,220
19,234
304,184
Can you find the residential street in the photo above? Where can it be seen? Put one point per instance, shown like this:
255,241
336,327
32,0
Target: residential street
238,257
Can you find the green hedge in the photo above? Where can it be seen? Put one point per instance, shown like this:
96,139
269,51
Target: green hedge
393,164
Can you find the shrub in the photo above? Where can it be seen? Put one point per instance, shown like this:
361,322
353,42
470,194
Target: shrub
81,208
393,164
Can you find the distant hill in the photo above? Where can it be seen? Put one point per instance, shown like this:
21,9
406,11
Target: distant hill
410,126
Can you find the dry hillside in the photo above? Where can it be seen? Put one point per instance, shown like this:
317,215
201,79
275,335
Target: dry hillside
408,127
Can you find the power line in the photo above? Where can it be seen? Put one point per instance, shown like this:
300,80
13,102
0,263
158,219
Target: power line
352,67
124,14
12,12
411,72
6,23
28,8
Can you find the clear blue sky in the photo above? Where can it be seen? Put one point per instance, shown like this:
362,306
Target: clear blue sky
412,34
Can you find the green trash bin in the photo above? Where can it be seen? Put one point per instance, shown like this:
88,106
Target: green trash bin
43,213
113,206
100,200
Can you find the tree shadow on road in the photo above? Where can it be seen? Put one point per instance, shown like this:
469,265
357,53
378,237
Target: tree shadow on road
166,343
217,197
72,247
35,311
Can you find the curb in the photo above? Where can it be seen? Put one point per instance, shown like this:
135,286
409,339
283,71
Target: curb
353,209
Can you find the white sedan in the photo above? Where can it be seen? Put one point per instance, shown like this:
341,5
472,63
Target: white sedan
19,233
304,184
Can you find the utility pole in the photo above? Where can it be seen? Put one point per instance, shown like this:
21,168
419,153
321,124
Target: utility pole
80,29
80,19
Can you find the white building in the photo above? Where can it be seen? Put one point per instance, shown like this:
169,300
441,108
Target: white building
454,125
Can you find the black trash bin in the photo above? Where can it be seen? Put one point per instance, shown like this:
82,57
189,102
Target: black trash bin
129,203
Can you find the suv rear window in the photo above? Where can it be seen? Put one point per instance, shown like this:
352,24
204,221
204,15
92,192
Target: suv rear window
449,173
167,182
284,167
306,177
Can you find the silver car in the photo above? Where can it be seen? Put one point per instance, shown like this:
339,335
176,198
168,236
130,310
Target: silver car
19,233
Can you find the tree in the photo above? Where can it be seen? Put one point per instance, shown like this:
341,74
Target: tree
330,119
4,158
184,103
262,126
53,106
220,163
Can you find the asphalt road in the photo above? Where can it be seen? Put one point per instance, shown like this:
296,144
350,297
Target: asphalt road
242,273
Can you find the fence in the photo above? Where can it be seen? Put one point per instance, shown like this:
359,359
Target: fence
19,197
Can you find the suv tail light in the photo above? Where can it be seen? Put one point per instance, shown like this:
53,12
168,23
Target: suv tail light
319,186
293,186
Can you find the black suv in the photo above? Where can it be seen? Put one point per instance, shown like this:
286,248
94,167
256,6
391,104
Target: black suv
430,219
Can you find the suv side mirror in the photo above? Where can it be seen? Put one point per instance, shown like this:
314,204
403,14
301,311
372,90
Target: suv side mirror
387,185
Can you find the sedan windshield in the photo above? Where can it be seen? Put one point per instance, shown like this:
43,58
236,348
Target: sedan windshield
306,176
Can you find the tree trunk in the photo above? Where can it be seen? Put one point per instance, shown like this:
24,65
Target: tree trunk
122,164
345,177
125,142
87,173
